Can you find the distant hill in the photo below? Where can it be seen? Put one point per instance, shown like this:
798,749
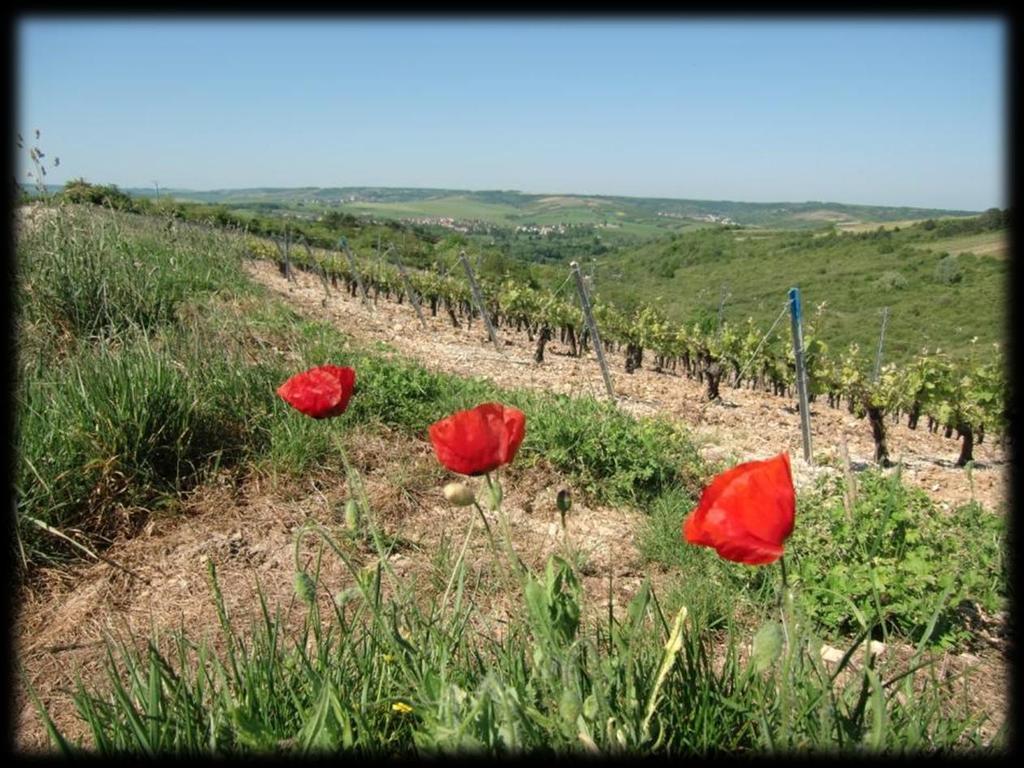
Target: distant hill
637,215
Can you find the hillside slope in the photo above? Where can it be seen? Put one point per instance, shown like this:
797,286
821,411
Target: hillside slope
511,206
746,425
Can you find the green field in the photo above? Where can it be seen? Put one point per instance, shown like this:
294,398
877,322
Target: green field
938,294
636,215
994,244
457,206
870,226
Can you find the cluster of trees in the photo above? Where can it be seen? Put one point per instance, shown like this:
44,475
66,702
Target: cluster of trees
575,244
107,195
990,220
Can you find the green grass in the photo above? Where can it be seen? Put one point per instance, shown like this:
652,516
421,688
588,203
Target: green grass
990,244
400,676
851,278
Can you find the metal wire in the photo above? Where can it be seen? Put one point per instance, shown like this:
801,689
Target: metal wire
753,357
565,282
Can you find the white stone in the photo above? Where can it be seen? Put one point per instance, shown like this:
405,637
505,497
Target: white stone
831,655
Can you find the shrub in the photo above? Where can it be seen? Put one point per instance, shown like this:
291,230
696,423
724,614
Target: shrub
891,281
892,554
948,270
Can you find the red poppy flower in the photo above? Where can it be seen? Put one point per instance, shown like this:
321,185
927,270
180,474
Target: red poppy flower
320,392
478,440
747,512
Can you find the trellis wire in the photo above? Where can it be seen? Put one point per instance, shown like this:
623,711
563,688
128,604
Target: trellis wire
413,298
343,244
592,325
760,344
564,283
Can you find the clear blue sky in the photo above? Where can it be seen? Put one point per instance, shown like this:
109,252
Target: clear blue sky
887,111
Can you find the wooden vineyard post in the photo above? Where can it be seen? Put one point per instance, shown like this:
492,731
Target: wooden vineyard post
343,244
409,290
598,346
287,258
321,271
801,374
881,340
283,249
479,301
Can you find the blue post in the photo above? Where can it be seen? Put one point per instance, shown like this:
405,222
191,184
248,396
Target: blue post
801,375
881,340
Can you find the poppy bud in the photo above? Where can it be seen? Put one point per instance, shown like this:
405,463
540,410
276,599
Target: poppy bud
564,503
459,494
345,595
570,706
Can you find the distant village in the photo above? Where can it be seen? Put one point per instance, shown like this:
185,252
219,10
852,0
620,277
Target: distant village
448,222
484,227
712,218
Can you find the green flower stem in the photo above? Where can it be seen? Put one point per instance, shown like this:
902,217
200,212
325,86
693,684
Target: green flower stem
458,563
506,531
789,654
494,545
784,600
355,485
782,564
490,534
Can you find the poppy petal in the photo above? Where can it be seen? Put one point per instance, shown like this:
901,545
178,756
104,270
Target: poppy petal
478,440
763,500
515,431
461,443
747,512
320,392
